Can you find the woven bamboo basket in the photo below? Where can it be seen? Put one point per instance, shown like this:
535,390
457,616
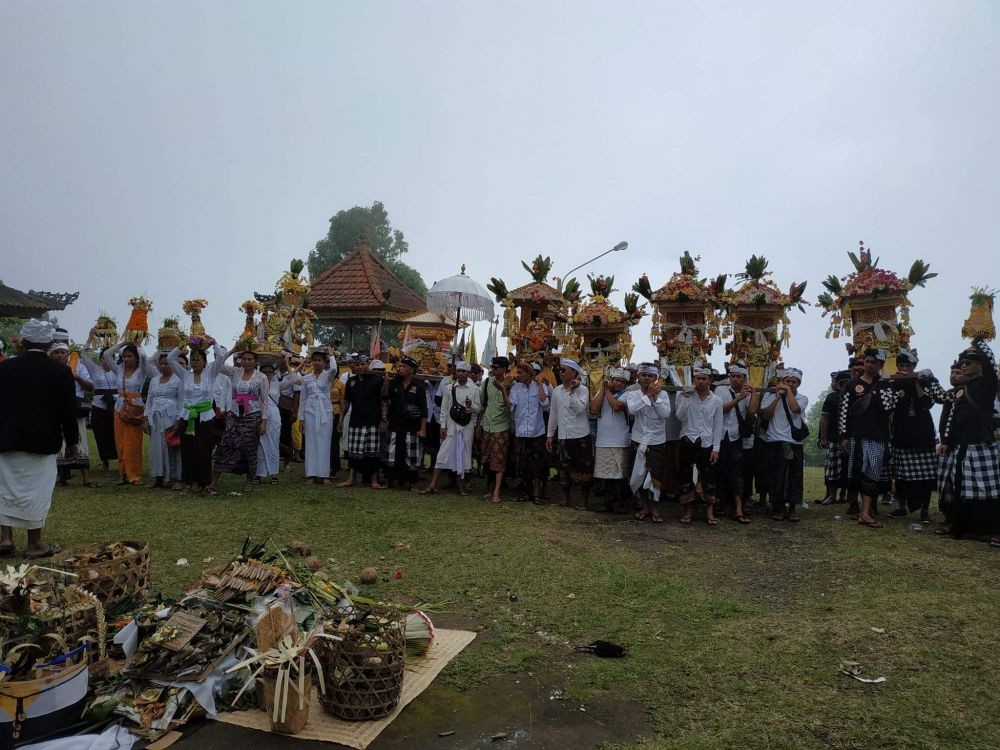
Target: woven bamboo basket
364,671
682,313
112,580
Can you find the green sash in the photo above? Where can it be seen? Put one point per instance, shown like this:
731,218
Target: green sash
193,412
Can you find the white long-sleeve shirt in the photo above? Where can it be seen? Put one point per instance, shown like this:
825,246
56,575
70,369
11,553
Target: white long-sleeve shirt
730,422
527,406
204,389
314,399
650,425
569,413
471,391
102,380
126,383
701,419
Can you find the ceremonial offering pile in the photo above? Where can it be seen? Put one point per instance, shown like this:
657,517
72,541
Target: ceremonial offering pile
137,328
104,333
871,305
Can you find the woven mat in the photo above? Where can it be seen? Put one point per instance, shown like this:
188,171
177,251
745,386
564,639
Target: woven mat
359,734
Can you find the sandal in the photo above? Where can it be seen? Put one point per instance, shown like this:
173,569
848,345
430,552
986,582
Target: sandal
870,524
210,491
53,549
641,515
792,518
742,520
712,521
537,501
657,518
429,491
274,480
7,550
779,517
685,519
92,485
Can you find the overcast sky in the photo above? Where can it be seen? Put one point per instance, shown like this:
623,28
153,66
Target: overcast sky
184,149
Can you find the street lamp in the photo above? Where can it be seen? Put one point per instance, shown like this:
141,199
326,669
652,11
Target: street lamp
620,246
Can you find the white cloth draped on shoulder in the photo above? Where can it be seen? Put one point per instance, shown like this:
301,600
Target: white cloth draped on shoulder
455,453
269,451
316,414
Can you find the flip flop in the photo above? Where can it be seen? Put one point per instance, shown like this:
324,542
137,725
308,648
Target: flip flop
871,524
53,549
641,515
657,519
686,519
712,521
537,501
792,519
93,485
429,491
742,520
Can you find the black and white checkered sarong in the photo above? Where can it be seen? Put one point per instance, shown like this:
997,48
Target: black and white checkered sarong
874,459
362,442
970,472
833,467
412,452
914,464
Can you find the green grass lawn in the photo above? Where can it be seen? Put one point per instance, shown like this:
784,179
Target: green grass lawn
736,633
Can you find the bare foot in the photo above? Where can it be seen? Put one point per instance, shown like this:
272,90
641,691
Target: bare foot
346,483
496,499
377,486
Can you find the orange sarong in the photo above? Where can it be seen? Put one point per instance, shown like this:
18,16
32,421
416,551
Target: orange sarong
128,441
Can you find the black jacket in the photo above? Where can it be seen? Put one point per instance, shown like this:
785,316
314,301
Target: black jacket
37,405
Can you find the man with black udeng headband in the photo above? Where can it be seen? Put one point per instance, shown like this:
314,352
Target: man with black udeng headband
914,444
407,424
865,433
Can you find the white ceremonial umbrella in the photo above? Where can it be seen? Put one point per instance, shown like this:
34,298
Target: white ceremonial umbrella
460,297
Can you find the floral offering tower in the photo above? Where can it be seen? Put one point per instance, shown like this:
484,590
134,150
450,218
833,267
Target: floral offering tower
871,305
193,307
170,334
535,315
104,333
599,336
685,318
137,328
979,324
754,313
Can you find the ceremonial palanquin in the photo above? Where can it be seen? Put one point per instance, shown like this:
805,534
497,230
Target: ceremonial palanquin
599,335
286,319
871,305
685,317
754,312
535,315
427,337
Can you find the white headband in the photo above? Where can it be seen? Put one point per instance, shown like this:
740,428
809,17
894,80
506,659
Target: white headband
738,370
37,331
461,366
701,371
793,372
647,369
575,367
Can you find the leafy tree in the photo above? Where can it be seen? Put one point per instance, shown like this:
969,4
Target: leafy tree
385,241
812,454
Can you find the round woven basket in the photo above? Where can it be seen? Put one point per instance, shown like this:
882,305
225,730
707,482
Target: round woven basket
364,671
112,580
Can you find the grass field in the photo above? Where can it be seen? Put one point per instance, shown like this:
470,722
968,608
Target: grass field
736,633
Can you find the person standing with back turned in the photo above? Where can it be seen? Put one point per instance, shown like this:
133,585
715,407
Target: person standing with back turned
37,413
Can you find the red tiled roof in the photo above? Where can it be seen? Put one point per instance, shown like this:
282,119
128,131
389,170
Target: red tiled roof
355,287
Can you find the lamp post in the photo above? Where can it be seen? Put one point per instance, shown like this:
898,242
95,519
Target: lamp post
620,246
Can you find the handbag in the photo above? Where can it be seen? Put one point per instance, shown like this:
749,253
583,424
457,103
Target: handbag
800,433
746,425
172,437
131,413
459,413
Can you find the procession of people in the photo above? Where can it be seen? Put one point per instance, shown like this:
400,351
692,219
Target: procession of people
635,444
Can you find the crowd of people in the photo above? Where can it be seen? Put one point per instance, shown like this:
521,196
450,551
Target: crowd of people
638,440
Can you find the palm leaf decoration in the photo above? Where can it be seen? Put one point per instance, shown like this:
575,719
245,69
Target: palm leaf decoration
296,266
755,269
643,288
718,285
832,284
825,300
498,287
687,264
631,304
571,291
539,268
602,285
920,273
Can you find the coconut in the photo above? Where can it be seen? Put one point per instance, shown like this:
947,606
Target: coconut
300,548
369,575
314,563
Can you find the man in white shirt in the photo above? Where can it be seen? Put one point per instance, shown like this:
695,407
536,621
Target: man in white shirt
700,412
455,454
784,408
569,432
528,398
735,399
650,408
612,443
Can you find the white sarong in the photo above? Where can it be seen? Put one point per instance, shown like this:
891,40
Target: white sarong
26,483
269,448
455,453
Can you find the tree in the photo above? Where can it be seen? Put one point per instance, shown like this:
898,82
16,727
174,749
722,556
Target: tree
385,241
813,455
